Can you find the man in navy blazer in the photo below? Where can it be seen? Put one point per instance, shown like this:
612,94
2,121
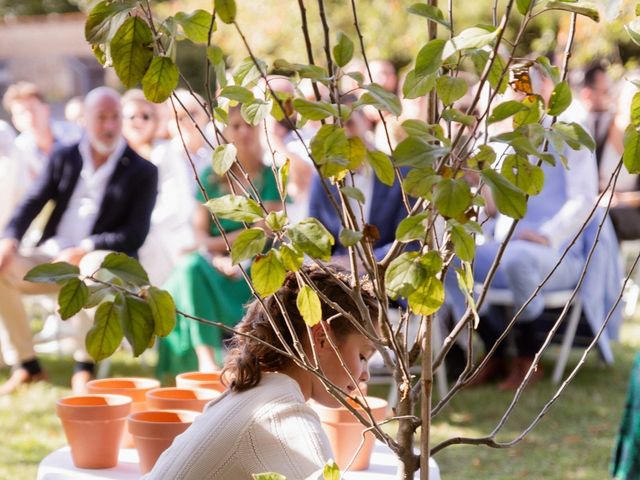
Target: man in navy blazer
104,194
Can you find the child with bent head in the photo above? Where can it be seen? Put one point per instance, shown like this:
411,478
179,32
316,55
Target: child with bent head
262,422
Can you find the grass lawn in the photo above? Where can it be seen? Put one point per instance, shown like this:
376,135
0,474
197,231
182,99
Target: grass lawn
574,441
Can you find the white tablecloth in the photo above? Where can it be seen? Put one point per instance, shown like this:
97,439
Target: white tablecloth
58,466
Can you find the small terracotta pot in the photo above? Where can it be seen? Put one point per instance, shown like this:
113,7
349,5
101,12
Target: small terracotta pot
180,398
94,426
345,432
132,387
153,432
200,380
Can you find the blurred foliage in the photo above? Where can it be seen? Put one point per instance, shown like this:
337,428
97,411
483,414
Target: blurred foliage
36,7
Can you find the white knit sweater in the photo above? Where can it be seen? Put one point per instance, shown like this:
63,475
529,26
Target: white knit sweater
268,428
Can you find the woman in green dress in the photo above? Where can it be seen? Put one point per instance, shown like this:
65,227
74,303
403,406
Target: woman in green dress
205,284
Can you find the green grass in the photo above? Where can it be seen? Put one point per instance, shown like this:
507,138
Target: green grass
574,441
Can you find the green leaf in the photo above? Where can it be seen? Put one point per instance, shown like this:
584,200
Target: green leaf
423,131
349,238
428,297
431,12
195,25
505,110
631,155
523,174
412,228
633,29
454,115
381,166
353,192
581,8
331,471
551,71
160,79
420,181
463,243
404,275
97,294
105,336
276,221
235,207
452,197
315,110
417,86
237,93
58,272
474,37
523,6
246,73
450,89
226,10
635,110
381,99
248,244
309,305
311,237
330,145
510,200
532,114
429,59
560,98
255,111
136,320
497,80
283,177
72,297
575,136
414,152
268,476
267,273
291,258
484,157
223,158
104,20
343,50
216,57
163,311
131,51
125,268
356,153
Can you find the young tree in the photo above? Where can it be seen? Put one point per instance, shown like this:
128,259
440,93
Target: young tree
433,156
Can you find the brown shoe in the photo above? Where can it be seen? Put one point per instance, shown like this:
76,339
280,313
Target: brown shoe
79,382
20,376
494,370
518,370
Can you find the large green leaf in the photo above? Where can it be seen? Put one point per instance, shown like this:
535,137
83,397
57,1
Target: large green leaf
523,6
382,166
98,293
330,146
451,114
216,57
195,25
631,156
309,305
255,111
560,98
343,50
277,220
482,158
235,207
267,273
160,79
349,238
575,136
226,10
223,158
509,199
105,336
429,59
506,109
452,197
581,8
497,80
247,72
429,11
450,89
291,258
163,311
381,99
404,275
315,110
72,297
136,320
105,18
474,37
417,86
248,244
428,297
131,51
57,272
523,174
412,228
463,243
237,93
311,237
551,71
417,153
531,114
635,110
126,268
353,192
420,181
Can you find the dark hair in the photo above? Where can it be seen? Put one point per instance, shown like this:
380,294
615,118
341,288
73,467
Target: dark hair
591,73
248,357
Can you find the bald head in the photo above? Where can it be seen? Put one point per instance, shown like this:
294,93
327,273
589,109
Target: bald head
103,119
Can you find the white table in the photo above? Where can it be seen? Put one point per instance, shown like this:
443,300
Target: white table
58,466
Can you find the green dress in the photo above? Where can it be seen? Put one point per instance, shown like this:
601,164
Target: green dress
626,455
201,290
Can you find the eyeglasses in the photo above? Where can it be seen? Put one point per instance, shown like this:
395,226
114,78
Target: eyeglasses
143,116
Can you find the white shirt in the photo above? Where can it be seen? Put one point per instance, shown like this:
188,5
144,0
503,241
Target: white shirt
12,174
82,211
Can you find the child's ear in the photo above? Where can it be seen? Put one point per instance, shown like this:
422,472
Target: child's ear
319,336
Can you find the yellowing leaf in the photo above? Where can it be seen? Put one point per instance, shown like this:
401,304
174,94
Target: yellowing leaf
309,305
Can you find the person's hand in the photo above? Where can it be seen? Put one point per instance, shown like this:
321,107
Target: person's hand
609,198
533,237
71,255
223,264
8,250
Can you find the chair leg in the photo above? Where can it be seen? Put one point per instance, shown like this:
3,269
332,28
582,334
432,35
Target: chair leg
567,342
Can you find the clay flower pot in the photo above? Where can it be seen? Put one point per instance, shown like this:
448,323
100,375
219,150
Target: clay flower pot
180,398
345,432
153,432
200,380
94,426
135,388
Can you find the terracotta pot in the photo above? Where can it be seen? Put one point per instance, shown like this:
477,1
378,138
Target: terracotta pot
345,432
94,426
153,432
180,398
135,388
200,380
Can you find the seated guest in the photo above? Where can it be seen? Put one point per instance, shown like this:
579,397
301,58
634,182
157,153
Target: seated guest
205,284
104,194
262,423
139,122
11,175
